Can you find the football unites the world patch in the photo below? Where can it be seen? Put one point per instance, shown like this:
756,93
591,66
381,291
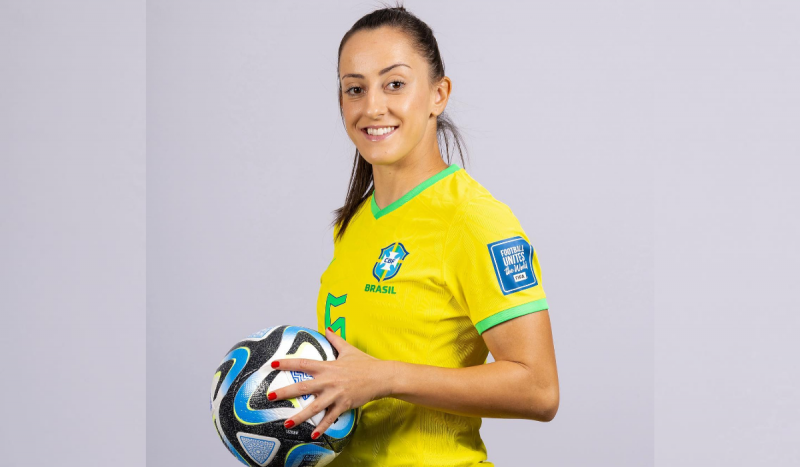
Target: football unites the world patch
389,261
512,259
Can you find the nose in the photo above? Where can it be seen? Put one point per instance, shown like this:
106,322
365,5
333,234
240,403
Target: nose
376,104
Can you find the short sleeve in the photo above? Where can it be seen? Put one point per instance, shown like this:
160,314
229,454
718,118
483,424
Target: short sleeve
490,266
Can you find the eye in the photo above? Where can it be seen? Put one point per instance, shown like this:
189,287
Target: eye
351,88
400,83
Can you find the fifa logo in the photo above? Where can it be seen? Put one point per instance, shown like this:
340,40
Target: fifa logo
389,261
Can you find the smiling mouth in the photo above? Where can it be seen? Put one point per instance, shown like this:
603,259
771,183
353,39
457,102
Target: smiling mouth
379,131
378,134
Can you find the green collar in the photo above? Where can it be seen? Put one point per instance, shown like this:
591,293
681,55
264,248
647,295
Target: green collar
377,212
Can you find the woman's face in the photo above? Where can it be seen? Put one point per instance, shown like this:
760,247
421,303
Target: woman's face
385,85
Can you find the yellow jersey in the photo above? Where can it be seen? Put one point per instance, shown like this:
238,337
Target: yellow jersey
418,281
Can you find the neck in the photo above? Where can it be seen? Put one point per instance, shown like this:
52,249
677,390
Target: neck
395,180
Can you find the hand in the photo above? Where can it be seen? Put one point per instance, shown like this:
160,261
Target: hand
348,382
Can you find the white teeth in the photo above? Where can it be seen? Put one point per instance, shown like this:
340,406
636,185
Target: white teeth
380,131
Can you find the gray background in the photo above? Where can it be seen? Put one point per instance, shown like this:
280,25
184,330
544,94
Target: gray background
727,144
72,233
648,148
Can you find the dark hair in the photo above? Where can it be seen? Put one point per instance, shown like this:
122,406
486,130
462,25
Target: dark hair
361,182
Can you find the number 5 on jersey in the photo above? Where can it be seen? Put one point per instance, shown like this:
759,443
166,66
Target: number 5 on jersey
339,323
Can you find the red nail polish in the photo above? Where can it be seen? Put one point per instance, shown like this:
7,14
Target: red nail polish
288,424
275,364
272,396
314,435
330,329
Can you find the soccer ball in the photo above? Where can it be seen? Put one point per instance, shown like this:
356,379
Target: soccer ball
250,425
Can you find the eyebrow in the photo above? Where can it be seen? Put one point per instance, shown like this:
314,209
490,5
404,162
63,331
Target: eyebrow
385,70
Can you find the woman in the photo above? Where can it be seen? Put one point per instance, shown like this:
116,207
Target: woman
429,274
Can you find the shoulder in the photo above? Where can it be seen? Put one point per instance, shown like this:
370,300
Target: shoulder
481,218
357,217
479,208
459,193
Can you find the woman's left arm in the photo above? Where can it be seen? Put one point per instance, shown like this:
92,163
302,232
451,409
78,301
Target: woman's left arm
522,382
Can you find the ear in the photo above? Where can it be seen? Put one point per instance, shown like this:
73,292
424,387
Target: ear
441,94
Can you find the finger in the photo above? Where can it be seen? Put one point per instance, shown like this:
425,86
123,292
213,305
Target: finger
302,388
305,365
329,419
335,340
318,405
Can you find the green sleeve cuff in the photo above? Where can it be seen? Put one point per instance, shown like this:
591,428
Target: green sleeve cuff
513,312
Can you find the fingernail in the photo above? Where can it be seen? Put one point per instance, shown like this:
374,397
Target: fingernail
275,364
272,396
314,435
330,329
288,424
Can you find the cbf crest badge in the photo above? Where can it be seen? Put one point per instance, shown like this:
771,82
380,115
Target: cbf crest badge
389,261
